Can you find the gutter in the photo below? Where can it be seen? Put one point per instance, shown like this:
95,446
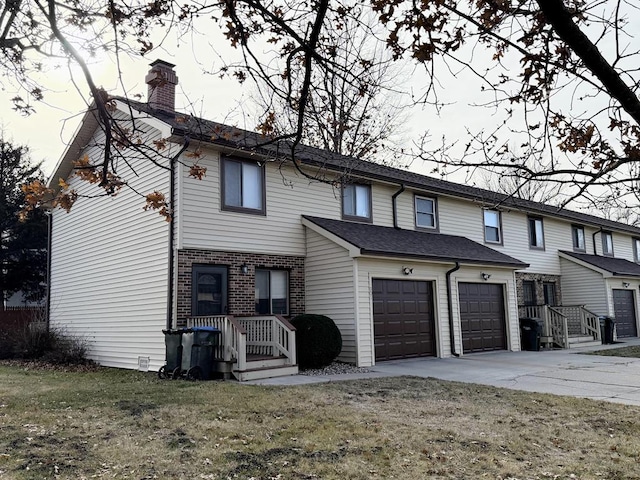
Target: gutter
593,239
395,207
450,307
172,202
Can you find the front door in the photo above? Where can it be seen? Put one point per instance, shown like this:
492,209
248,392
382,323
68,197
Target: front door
208,290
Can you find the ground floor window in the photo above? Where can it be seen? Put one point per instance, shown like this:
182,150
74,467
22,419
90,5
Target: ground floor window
272,292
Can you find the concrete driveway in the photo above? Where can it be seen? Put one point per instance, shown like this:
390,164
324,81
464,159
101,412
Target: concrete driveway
561,372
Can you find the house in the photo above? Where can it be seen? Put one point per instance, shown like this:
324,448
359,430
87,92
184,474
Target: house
405,264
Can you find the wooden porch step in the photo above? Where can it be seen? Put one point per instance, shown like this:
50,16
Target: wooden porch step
577,341
265,362
265,372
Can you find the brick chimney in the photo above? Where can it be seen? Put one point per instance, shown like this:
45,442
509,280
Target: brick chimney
162,81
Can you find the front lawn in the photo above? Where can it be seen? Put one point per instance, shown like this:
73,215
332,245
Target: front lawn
632,351
128,425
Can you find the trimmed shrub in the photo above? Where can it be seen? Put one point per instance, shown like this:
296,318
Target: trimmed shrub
318,339
35,342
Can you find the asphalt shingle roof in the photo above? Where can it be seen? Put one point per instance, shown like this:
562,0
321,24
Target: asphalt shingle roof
252,142
616,266
388,241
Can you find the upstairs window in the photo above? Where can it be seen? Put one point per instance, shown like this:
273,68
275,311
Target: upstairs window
636,250
577,233
242,186
492,227
607,244
426,216
356,202
272,287
536,233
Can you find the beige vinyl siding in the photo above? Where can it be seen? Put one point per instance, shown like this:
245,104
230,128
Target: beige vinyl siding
583,286
109,269
330,289
288,196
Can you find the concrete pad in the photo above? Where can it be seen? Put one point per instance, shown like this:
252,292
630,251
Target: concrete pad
559,372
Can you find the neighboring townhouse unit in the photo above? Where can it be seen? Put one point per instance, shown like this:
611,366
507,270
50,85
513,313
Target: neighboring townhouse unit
405,264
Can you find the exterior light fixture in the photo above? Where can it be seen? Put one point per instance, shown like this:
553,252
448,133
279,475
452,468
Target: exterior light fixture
244,268
485,276
407,270
626,284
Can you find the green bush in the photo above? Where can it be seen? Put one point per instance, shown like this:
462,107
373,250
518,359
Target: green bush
318,339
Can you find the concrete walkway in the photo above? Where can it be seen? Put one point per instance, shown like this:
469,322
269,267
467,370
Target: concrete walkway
561,372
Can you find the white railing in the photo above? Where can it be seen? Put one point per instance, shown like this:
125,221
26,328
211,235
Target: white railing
556,323
233,338
584,322
241,336
271,336
560,322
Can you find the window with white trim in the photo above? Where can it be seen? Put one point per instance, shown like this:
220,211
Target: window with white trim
426,212
272,292
492,228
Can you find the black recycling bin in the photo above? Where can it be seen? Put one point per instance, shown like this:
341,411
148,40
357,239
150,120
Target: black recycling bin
530,334
607,326
201,356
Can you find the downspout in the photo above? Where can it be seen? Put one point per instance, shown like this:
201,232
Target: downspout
593,239
172,203
450,305
394,206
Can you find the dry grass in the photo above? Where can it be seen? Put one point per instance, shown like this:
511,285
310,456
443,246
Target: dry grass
119,424
631,352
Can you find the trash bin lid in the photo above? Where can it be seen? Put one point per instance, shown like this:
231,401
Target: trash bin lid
205,329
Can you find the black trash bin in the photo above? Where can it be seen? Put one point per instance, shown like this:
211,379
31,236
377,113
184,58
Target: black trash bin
173,351
530,334
607,326
201,357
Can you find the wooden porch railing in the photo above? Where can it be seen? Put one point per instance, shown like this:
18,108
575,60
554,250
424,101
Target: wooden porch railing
233,338
260,335
560,322
270,335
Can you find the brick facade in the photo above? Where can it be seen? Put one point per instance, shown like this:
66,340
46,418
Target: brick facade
539,280
241,287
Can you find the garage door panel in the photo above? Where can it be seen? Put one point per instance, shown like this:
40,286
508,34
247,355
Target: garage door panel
403,320
625,313
482,317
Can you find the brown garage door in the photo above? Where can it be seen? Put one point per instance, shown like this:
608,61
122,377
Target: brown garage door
625,312
403,319
482,317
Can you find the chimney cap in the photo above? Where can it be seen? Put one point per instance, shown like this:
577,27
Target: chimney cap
162,63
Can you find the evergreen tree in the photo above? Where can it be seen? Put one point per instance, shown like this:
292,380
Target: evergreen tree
23,242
